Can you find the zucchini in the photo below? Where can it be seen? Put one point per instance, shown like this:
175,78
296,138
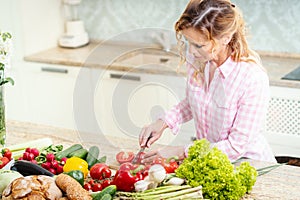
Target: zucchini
92,156
110,190
80,153
27,168
66,152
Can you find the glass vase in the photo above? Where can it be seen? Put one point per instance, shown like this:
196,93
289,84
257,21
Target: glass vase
2,118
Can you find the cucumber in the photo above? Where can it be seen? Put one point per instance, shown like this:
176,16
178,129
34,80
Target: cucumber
111,190
66,152
80,153
92,156
106,197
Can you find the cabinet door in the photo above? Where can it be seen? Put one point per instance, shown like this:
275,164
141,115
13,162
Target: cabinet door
16,103
283,121
125,102
49,89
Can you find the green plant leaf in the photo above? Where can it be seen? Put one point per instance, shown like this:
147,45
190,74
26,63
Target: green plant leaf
7,80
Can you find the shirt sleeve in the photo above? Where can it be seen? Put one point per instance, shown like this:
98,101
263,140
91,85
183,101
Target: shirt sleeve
252,109
179,114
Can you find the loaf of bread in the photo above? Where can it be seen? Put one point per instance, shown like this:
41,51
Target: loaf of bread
72,188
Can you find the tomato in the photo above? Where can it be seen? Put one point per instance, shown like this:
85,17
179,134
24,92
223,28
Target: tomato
91,182
3,162
7,153
96,187
140,156
87,186
123,157
100,171
106,183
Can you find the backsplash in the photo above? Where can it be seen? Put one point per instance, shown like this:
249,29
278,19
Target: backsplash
274,24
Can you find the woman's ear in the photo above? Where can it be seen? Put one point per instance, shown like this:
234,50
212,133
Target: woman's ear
226,39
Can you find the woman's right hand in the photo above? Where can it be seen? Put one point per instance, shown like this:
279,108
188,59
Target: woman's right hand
154,130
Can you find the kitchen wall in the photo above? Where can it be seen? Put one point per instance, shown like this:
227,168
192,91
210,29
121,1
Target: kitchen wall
34,24
274,24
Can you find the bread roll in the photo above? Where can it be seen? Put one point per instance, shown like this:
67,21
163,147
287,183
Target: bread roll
38,187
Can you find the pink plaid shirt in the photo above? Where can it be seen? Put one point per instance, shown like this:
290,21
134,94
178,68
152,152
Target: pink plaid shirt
230,113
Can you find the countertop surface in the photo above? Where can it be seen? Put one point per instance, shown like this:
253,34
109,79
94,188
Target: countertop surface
280,183
105,55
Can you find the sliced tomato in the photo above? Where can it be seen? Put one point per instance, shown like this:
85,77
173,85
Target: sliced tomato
123,157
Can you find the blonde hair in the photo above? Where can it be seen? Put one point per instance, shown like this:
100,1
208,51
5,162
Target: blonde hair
214,19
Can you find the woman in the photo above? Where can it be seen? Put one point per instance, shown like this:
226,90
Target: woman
227,90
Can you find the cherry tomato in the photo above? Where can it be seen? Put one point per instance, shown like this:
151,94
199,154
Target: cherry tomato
91,182
100,171
96,187
106,183
87,186
123,157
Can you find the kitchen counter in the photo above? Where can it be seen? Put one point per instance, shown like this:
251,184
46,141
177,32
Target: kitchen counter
103,55
280,183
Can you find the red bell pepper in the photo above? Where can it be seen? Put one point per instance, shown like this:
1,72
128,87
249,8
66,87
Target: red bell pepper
169,164
127,175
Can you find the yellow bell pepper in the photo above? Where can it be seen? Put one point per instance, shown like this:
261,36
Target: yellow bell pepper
75,163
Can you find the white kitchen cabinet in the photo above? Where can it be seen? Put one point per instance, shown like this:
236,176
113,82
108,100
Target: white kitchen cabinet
16,103
125,102
283,121
48,93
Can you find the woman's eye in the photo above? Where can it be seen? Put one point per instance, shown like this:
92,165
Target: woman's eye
198,46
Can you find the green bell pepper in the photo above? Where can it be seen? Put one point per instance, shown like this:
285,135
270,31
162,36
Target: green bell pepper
77,175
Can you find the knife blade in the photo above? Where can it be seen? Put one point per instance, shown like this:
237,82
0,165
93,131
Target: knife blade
142,149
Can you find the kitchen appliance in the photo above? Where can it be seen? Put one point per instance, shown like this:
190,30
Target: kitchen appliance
75,35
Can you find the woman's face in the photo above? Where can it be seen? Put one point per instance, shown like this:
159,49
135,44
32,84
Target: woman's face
197,45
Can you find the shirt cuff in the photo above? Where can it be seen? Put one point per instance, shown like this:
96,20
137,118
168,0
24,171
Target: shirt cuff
174,127
186,149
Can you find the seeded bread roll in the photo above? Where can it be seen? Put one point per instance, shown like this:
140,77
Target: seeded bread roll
32,187
72,188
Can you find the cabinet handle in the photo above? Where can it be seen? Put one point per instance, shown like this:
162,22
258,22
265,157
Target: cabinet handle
49,69
125,77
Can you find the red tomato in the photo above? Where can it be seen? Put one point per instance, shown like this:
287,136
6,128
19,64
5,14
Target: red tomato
100,171
87,186
96,187
91,182
3,162
140,156
106,183
123,157
7,153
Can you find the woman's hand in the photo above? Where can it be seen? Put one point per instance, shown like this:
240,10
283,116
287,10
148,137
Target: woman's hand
165,152
154,130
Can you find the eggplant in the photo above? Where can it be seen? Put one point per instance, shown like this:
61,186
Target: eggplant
27,168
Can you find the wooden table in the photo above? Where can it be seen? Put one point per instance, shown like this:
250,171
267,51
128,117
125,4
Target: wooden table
281,183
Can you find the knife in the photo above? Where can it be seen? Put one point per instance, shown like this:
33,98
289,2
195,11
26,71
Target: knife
142,149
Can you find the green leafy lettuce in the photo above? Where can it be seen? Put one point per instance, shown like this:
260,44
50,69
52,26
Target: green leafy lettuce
212,169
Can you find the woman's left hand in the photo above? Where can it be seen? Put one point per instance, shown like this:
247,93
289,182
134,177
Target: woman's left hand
165,152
